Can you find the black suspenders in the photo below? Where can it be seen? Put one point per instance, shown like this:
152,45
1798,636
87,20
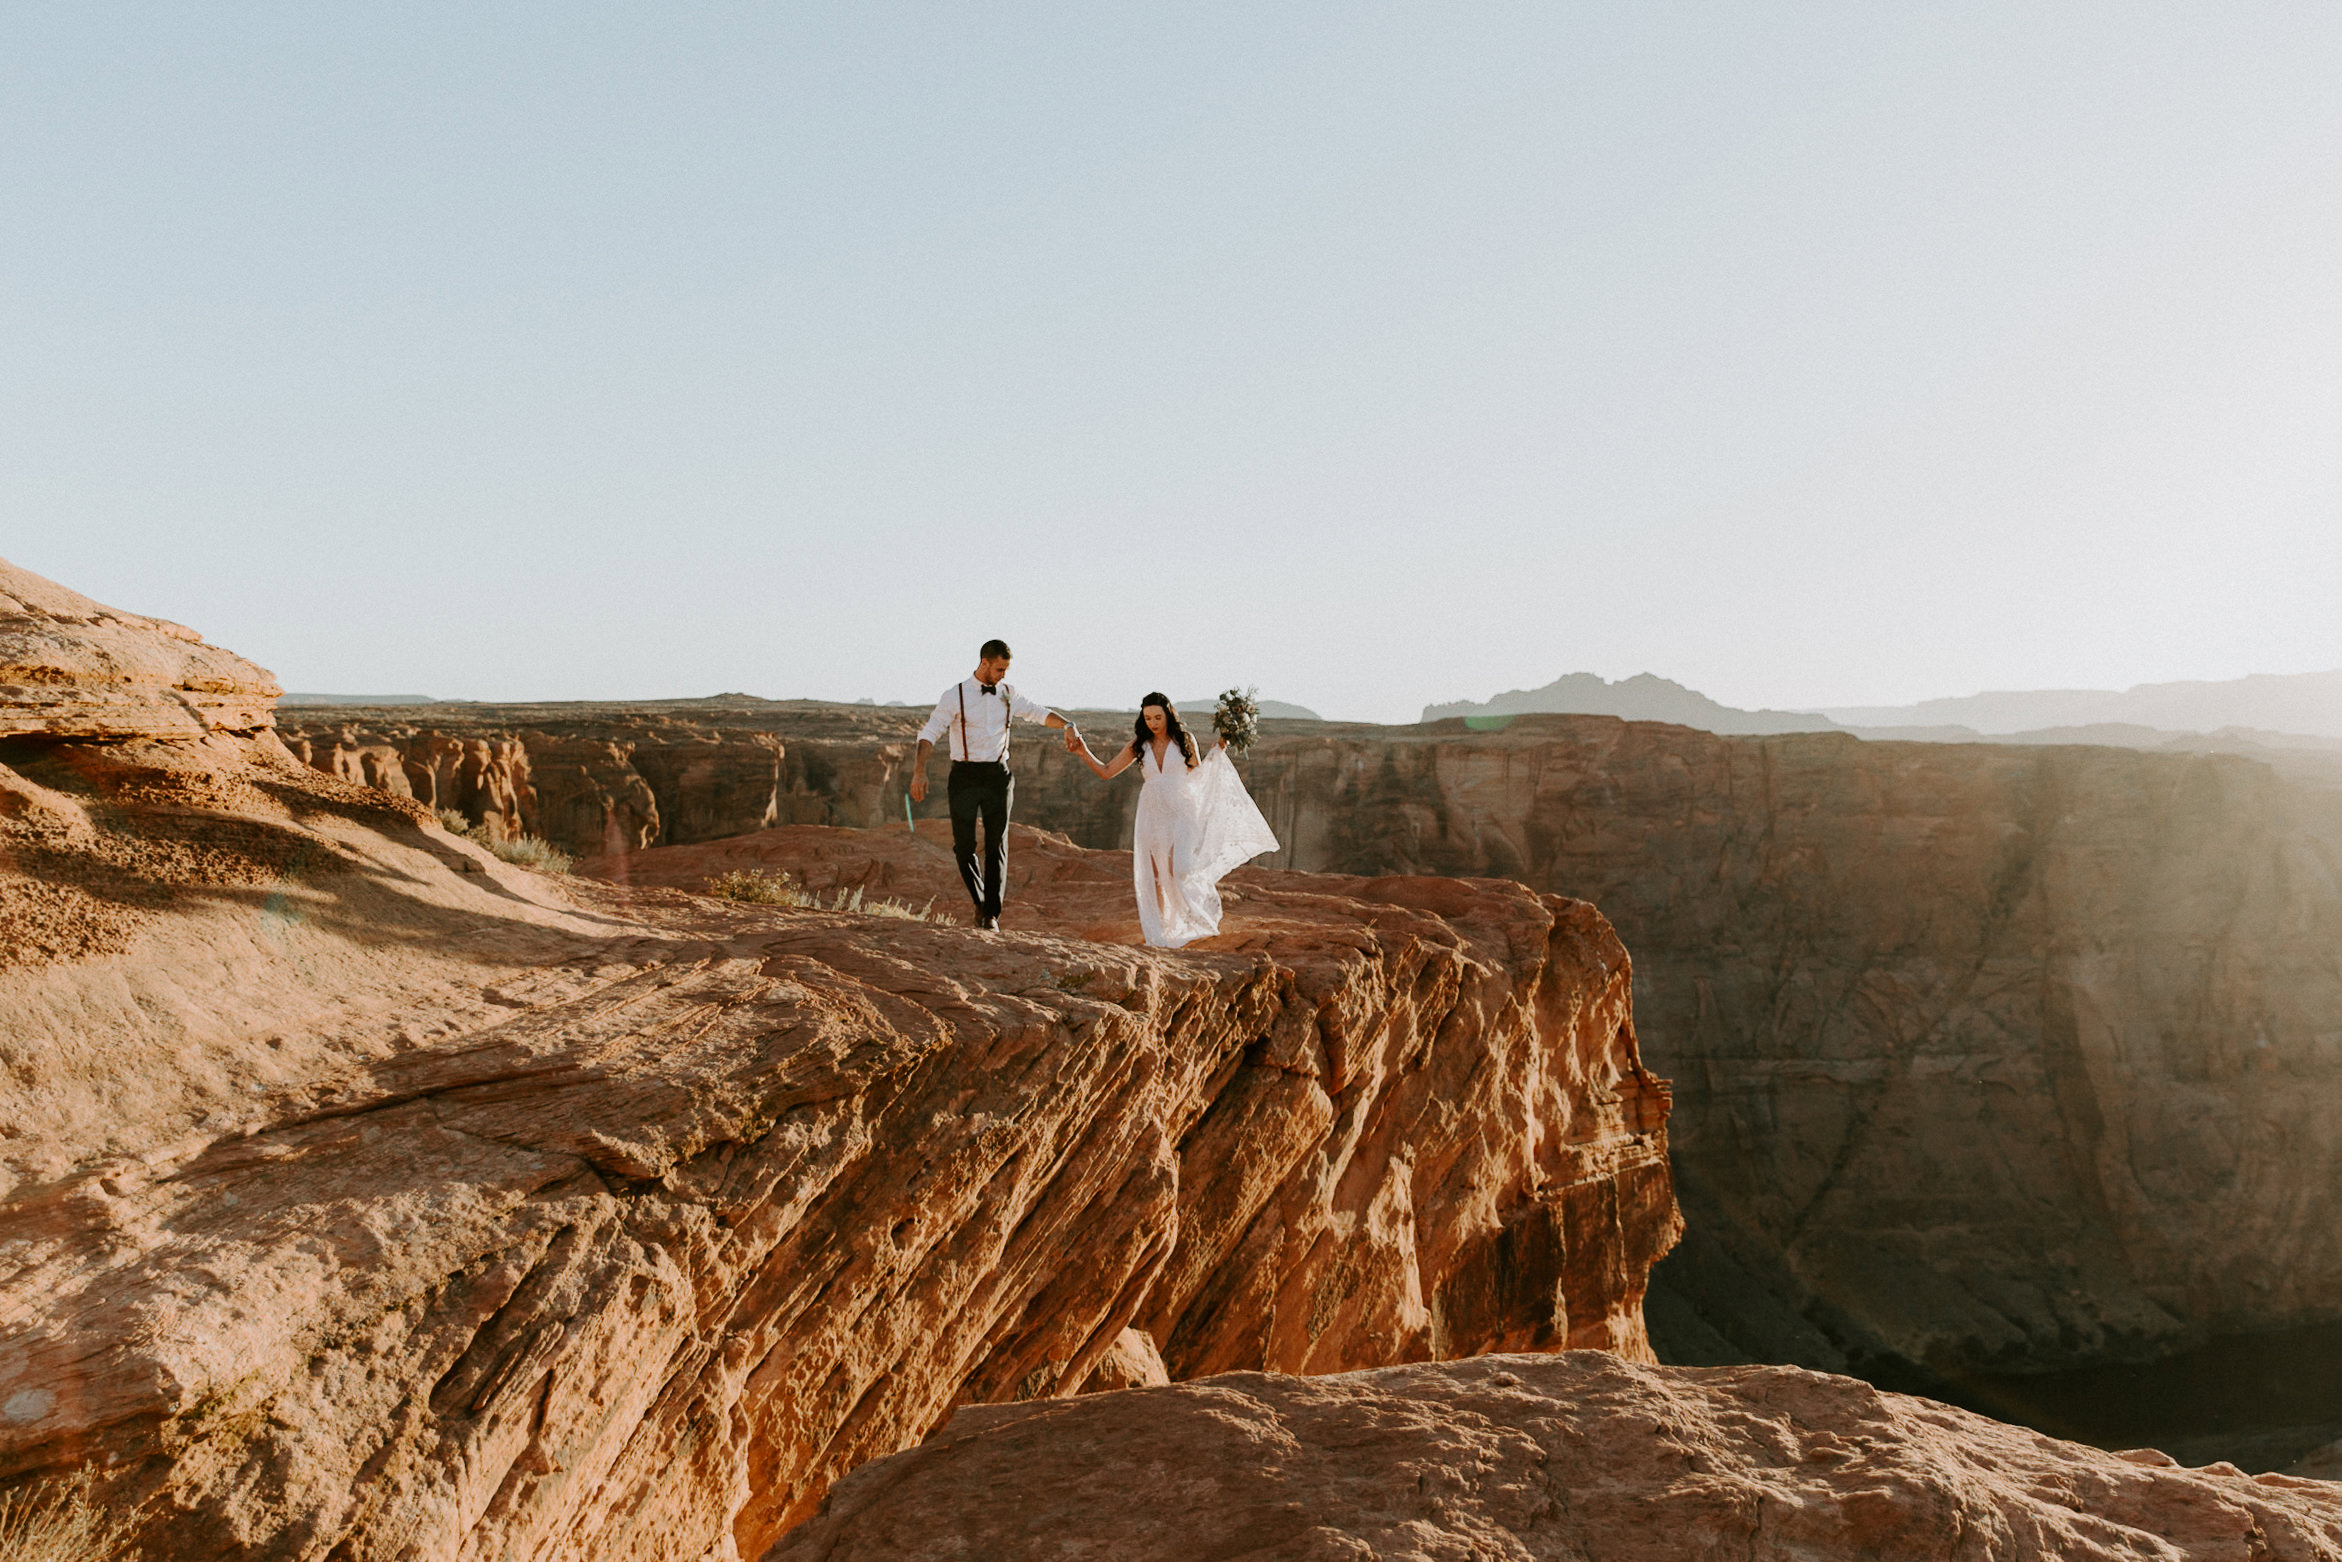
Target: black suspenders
967,749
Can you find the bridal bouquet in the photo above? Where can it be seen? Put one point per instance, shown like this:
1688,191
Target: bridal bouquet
1238,718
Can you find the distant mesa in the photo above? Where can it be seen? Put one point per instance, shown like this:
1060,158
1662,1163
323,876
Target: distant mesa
735,700
2293,704
358,699
1270,710
1644,697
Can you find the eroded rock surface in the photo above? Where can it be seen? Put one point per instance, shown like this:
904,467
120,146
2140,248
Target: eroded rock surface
366,1197
71,667
1542,1459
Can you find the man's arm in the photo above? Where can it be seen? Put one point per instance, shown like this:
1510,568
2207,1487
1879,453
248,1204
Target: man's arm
1033,710
934,727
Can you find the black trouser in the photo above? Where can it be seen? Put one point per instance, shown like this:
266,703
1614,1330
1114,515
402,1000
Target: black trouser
981,787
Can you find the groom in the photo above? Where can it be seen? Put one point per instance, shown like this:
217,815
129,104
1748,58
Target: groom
975,712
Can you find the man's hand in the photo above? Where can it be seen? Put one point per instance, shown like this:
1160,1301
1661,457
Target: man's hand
1073,739
919,772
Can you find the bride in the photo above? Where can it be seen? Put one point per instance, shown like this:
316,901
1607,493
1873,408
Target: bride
1195,822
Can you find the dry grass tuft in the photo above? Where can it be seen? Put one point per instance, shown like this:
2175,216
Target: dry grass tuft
60,1523
760,888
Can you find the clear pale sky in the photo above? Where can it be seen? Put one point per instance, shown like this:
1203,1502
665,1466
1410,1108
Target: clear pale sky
1807,354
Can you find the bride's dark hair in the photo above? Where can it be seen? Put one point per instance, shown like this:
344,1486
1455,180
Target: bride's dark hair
1171,727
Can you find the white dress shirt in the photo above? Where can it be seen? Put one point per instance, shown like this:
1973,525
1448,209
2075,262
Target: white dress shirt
984,736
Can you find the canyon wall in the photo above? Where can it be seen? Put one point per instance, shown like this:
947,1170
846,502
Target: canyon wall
1985,1058
365,1197
598,778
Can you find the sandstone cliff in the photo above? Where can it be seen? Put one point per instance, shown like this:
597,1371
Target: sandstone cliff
1985,1058
366,1197
70,667
1542,1459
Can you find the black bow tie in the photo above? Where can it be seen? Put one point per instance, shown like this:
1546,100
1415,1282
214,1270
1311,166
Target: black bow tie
989,688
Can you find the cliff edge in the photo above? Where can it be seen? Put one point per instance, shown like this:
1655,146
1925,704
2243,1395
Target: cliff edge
367,1197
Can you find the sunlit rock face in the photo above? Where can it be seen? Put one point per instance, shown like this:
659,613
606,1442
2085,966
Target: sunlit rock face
366,1197
1541,1459
71,667
1985,1057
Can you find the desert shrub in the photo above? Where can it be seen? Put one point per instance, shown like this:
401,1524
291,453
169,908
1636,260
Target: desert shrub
528,851
60,1523
531,851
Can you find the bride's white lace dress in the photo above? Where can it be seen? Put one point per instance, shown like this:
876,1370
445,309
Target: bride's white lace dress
1193,827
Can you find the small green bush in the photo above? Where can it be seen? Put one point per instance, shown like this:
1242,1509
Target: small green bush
59,1523
532,851
527,851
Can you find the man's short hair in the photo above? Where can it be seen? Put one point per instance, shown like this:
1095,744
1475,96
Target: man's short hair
994,650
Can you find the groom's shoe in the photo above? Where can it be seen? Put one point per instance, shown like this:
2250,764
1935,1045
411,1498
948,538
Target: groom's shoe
988,924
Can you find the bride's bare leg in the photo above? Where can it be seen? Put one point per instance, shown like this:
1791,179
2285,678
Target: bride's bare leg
1162,875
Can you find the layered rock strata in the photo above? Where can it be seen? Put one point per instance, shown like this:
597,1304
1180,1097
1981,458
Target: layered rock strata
1450,1208
1986,1058
1541,1459
367,1197
71,667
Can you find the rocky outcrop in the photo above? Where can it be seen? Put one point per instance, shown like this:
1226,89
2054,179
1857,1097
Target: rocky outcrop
1471,1208
70,667
1986,1058
367,1197
1542,1459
